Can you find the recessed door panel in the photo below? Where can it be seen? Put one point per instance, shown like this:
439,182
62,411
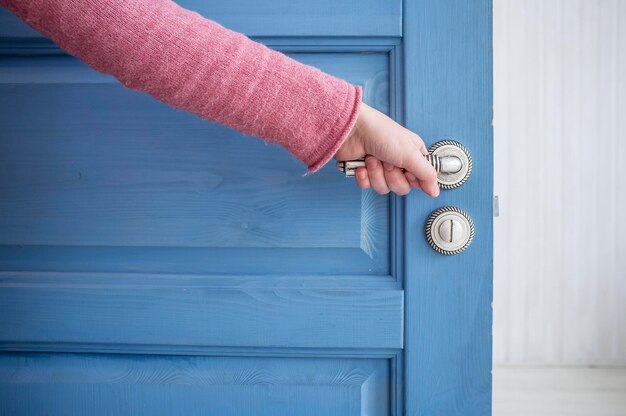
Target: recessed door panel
187,385
135,185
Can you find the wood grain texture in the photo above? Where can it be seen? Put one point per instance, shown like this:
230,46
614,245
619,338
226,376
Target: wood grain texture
125,247
199,316
87,163
97,265
448,85
32,384
278,17
560,101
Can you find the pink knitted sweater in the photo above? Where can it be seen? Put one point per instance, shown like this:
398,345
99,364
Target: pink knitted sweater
194,64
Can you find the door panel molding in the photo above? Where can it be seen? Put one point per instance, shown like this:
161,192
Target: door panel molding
96,196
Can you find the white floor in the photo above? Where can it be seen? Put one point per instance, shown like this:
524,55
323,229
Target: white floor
545,391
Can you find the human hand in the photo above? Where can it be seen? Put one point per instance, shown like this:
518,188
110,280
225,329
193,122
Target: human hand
388,148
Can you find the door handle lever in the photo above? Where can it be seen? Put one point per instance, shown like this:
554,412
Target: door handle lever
445,164
451,160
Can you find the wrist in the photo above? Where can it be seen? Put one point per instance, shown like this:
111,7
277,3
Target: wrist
353,146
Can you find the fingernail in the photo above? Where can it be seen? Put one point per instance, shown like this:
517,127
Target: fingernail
371,163
362,175
388,167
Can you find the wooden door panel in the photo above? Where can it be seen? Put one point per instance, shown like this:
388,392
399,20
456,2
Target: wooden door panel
139,314
277,18
138,186
79,384
129,226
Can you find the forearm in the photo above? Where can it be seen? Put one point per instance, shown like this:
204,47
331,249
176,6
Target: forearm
196,65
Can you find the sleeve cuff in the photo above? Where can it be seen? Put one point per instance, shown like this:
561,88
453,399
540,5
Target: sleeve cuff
339,132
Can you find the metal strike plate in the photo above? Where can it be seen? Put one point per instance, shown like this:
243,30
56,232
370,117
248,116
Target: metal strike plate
449,230
451,160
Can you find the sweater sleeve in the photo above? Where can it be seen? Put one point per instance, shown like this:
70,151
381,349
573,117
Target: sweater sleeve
196,65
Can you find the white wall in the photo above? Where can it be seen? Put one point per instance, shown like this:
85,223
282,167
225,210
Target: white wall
560,139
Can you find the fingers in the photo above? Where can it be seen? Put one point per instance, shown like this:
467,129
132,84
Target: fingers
396,181
430,188
362,178
376,175
384,139
424,172
415,162
412,180
384,178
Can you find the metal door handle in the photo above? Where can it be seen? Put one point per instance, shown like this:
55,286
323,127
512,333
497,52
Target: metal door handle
451,160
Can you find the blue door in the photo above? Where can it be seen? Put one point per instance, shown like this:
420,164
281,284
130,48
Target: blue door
155,264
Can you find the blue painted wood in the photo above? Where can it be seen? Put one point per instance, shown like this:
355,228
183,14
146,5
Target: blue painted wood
188,316
448,94
278,17
46,278
322,262
99,167
168,385
125,228
322,44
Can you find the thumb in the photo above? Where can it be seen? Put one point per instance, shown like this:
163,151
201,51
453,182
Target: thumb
418,165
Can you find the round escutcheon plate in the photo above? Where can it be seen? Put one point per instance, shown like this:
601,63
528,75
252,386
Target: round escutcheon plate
452,148
449,230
